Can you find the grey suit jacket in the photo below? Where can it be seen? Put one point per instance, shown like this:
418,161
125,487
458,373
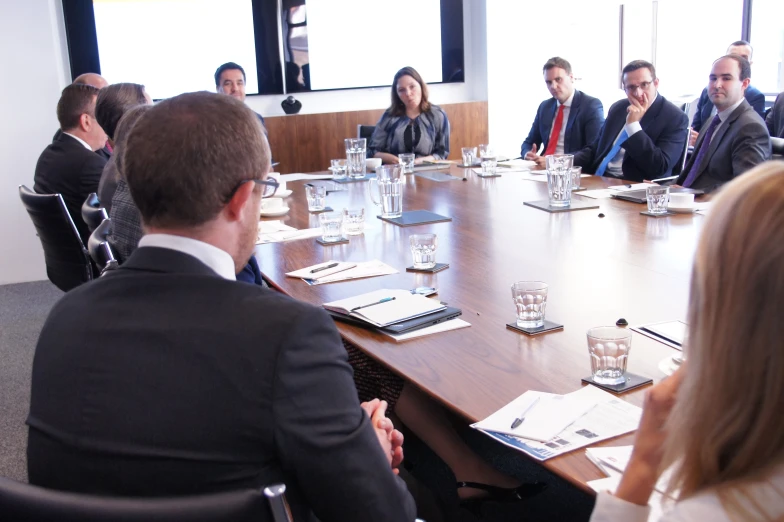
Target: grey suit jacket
738,145
775,119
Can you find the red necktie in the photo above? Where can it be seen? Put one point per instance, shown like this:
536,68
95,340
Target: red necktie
553,142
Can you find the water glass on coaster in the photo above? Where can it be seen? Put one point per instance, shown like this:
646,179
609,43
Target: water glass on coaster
489,163
423,248
658,198
386,190
331,226
356,149
407,160
469,156
317,197
354,221
339,168
484,148
577,172
609,348
530,299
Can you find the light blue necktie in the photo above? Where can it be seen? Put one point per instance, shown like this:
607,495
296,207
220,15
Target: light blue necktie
613,152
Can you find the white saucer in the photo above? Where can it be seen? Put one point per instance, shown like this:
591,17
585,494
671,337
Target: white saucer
276,212
668,366
282,193
681,210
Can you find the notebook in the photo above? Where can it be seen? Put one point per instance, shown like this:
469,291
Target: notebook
638,196
402,327
385,307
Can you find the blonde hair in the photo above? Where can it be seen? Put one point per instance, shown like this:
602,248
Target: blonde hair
727,426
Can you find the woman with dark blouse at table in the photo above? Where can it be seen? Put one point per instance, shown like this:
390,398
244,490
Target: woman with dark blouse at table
411,124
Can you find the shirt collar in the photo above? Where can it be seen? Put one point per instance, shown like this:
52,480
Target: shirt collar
218,260
80,140
723,115
568,102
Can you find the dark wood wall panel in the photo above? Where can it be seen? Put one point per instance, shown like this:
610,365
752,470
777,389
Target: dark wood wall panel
306,142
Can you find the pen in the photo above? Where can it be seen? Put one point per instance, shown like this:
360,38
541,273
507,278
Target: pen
385,300
332,265
519,420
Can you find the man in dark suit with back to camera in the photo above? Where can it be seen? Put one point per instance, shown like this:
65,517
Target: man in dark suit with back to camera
565,123
736,139
644,135
69,165
775,118
167,377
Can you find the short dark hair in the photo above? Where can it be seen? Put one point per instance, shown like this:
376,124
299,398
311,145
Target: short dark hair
557,61
743,65
738,43
123,130
639,64
398,108
187,155
113,101
75,100
228,66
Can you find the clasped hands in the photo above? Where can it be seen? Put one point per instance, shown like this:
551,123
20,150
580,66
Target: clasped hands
390,439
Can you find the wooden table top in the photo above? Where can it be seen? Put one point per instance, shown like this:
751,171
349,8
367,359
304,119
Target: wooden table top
599,269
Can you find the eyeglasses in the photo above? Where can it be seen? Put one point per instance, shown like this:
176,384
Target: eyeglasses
632,88
268,186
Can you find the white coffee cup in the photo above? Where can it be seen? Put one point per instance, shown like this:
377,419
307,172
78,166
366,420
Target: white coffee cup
271,204
372,163
276,177
681,200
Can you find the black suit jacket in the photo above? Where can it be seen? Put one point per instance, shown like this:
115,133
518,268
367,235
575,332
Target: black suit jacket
775,119
738,145
586,116
67,167
649,154
702,115
163,378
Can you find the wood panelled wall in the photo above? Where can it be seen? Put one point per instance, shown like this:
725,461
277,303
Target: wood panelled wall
306,142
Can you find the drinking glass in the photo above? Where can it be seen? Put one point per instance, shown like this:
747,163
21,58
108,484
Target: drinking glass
407,160
331,226
658,198
559,188
354,221
469,156
317,196
577,172
489,164
356,150
609,348
559,162
338,168
423,248
386,190
530,298
484,149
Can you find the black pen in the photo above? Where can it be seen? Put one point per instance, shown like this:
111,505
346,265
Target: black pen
519,420
385,300
333,265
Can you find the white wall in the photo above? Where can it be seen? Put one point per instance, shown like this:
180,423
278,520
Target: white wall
35,57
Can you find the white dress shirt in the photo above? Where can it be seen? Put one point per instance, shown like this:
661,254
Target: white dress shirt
614,167
80,140
559,145
218,260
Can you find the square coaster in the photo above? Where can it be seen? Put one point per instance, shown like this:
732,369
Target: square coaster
633,381
330,243
575,205
548,326
368,176
437,268
668,213
325,209
477,164
416,217
435,175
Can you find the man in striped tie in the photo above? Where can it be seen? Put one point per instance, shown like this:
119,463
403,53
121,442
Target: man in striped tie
644,135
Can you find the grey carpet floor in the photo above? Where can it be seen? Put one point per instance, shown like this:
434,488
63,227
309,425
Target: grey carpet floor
24,308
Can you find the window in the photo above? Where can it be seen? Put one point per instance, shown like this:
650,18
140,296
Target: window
767,38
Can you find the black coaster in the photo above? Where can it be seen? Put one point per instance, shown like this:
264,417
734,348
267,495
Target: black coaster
435,175
437,268
668,213
368,176
633,381
416,217
325,209
575,205
548,326
330,243
477,164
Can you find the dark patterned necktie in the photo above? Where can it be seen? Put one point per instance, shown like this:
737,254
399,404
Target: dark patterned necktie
695,167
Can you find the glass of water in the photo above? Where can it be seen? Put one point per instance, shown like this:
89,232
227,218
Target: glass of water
386,190
484,148
356,150
658,198
354,221
559,188
317,197
469,156
407,160
423,248
530,299
331,226
559,162
489,164
577,173
609,348
338,168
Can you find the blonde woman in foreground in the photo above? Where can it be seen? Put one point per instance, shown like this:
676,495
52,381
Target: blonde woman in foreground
719,421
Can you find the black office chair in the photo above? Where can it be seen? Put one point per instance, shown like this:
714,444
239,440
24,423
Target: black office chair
67,261
678,167
92,212
365,131
25,503
777,146
100,250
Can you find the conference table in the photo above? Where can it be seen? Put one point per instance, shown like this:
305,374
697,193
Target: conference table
600,264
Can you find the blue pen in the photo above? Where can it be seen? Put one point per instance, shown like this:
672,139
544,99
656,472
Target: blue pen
385,300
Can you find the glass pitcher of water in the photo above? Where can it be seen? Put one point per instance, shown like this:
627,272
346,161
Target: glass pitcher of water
386,190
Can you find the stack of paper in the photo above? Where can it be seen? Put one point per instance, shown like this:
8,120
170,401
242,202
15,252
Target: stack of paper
385,307
342,272
276,231
613,461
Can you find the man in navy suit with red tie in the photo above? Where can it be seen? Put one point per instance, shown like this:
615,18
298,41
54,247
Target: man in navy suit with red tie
565,123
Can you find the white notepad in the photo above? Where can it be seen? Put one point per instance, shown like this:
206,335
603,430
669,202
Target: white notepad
399,305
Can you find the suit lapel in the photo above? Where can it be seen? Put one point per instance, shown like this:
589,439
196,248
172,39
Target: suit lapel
722,131
548,115
574,111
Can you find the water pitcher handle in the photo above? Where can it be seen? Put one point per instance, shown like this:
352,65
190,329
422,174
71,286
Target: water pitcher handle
375,191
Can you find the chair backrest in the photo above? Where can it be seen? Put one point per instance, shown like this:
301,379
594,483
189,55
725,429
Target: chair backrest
777,146
92,212
25,503
678,168
365,131
67,261
100,249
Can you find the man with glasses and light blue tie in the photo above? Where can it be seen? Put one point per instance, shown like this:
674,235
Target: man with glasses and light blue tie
644,135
